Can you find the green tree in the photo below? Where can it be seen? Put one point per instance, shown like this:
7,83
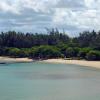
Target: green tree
83,51
45,52
14,52
93,55
69,52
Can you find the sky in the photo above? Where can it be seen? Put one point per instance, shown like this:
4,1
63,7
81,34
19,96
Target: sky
72,16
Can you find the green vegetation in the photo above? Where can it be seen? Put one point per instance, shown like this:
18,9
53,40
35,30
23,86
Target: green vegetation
51,45
45,52
93,55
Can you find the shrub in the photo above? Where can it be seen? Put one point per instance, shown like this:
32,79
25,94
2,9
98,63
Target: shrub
72,51
45,52
24,53
83,52
14,52
93,55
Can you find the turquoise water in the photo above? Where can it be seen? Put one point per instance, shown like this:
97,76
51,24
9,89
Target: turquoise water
43,81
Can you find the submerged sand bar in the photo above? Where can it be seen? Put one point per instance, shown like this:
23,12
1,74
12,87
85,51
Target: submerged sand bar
95,64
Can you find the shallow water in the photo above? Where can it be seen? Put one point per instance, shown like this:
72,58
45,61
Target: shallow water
44,81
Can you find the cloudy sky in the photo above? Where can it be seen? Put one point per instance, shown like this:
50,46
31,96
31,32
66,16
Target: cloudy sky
34,15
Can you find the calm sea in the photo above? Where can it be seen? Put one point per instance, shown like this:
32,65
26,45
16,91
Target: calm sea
44,81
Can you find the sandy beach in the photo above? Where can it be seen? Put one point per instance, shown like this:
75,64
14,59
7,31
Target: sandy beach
95,64
14,60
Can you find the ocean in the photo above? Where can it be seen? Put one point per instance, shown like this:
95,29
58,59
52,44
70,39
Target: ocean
45,81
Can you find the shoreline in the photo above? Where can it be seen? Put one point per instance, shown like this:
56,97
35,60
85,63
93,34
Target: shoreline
94,64
4,60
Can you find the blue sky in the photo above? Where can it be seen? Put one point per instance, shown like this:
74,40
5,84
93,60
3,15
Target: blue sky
34,15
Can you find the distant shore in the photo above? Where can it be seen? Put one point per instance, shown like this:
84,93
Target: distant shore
14,60
95,64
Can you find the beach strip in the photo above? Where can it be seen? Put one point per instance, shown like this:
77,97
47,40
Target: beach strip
14,60
95,64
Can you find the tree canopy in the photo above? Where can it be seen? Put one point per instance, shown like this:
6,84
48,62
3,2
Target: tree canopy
51,45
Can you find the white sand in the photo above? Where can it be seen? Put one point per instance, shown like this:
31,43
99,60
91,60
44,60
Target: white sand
95,64
7,59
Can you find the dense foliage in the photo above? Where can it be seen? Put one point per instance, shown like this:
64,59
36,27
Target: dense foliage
51,45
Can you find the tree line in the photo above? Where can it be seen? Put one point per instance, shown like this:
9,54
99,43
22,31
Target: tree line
54,44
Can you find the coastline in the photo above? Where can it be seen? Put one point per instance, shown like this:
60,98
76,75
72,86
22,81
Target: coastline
4,60
94,64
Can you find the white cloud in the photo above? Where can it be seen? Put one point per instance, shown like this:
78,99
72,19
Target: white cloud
86,19
64,16
6,7
73,15
92,4
40,5
89,3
